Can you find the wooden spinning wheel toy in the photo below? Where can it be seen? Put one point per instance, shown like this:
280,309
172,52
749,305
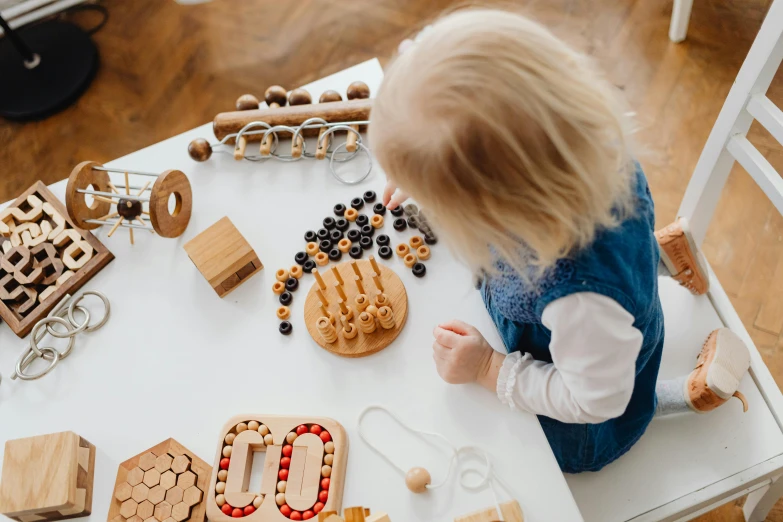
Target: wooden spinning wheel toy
91,178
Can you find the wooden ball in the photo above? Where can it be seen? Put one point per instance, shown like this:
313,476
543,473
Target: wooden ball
417,480
247,102
220,487
268,439
275,95
328,459
358,90
281,486
257,501
326,470
330,96
241,427
220,500
227,450
299,97
200,149
291,437
253,425
129,209
230,438
280,499
329,447
263,430
222,475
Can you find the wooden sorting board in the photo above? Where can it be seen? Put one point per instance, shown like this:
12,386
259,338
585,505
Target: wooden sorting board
363,344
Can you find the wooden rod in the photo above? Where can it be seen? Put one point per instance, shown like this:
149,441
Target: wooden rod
340,292
143,188
319,279
377,281
105,200
359,286
127,185
337,275
375,266
356,269
115,227
343,308
130,231
321,297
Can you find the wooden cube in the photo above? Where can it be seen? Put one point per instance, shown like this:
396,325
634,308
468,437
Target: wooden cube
223,256
48,477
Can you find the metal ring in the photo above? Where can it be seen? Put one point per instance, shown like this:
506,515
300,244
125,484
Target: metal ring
304,125
292,130
336,128
47,353
78,299
78,328
43,322
361,146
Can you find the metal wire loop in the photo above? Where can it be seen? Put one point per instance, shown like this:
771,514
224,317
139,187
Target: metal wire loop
47,353
34,337
359,146
78,299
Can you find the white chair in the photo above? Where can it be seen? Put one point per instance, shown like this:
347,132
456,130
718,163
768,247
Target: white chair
681,15
689,464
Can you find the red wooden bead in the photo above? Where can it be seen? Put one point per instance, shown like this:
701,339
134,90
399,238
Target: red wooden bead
237,513
301,429
296,515
224,463
315,428
249,510
282,474
307,515
325,483
285,509
288,450
318,507
227,509
325,436
285,462
323,496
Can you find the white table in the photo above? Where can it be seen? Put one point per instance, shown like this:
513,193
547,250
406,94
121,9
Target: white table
177,361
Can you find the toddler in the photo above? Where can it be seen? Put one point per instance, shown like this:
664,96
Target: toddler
518,150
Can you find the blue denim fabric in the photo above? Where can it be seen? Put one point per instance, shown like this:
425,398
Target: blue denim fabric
621,264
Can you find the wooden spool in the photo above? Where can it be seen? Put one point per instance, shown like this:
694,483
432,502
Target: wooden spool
363,344
165,223
83,177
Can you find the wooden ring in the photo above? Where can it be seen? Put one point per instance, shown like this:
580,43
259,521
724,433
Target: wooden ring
423,252
321,259
282,275
312,248
376,221
174,223
84,177
283,312
296,271
416,242
402,250
351,214
344,245
278,287
409,260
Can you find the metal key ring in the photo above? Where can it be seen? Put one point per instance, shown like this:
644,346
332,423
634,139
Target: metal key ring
77,300
78,328
288,157
42,323
339,178
47,353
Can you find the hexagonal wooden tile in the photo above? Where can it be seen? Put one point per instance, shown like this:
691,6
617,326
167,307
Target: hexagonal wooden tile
151,519
145,509
135,476
147,461
140,493
192,496
118,518
180,512
163,463
168,480
128,508
163,511
123,492
152,477
186,480
174,495
135,518
180,464
157,494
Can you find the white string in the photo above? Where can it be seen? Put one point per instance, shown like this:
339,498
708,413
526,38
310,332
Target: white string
486,478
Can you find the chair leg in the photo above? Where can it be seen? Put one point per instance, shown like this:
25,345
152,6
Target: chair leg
761,501
681,15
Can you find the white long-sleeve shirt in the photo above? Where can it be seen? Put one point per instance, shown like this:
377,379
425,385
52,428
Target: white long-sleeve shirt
594,348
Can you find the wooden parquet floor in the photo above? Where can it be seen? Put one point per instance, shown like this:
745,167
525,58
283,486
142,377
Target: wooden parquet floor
167,68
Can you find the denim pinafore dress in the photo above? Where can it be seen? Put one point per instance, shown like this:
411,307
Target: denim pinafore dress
621,264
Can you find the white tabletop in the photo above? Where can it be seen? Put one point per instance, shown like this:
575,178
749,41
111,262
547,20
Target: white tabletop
177,361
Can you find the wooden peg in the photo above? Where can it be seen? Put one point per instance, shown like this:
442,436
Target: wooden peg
337,275
115,227
361,302
321,283
343,309
378,284
360,286
356,270
326,313
298,97
375,266
322,297
340,292
239,148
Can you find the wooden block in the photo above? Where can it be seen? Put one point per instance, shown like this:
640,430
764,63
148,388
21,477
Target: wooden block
377,517
179,478
48,477
511,513
222,256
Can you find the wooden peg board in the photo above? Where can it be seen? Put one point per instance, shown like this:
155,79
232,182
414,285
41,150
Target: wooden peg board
246,434
48,477
363,344
511,513
167,479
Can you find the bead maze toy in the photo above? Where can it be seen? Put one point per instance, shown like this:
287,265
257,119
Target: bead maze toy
304,469
47,477
357,308
299,119
91,178
165,483
223,257
45,256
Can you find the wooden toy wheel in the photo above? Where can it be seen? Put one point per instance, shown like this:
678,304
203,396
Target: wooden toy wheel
85,178
171,223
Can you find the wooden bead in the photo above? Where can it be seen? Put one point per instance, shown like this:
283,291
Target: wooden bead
283,312
299,97
402,249
275,96
230,438
247,102
257,501
416,242
296,271
326,471
423,252
312,248
329,447
282,275
263,429
344,245
222,475
322,259
227,451
281,486
278,287
417,480
328,459
350,331
386,317
268,439
220,500
361,302
326,329
200,149
351,214
381,300
366,323
330,96
372,310
409,260
280,499
348,315
241,427
291,437
357,90
220,487
376,221
253,425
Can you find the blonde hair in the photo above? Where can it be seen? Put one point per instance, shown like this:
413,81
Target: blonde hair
507,136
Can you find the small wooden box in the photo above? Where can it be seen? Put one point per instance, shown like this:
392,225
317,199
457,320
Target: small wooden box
48,477
223,256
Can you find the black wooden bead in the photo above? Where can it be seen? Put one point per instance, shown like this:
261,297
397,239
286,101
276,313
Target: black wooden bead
400,224
419,269
292,284
368,230
397,212
286,298
335,254
357,203
369,196
413,222
354,234
430,239
285,328
329,223
362,220
342,224
379,208
308,266
310,236
336,235
385,252
300,258
339,209
356,252
382,240
366,242
323,234
325,245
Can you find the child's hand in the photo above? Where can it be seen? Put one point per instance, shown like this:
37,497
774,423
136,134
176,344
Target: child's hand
392,197
462,355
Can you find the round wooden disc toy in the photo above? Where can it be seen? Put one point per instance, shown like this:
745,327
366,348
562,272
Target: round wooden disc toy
171,223
363,343
84,177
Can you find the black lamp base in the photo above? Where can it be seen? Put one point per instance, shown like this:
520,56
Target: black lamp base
68,62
